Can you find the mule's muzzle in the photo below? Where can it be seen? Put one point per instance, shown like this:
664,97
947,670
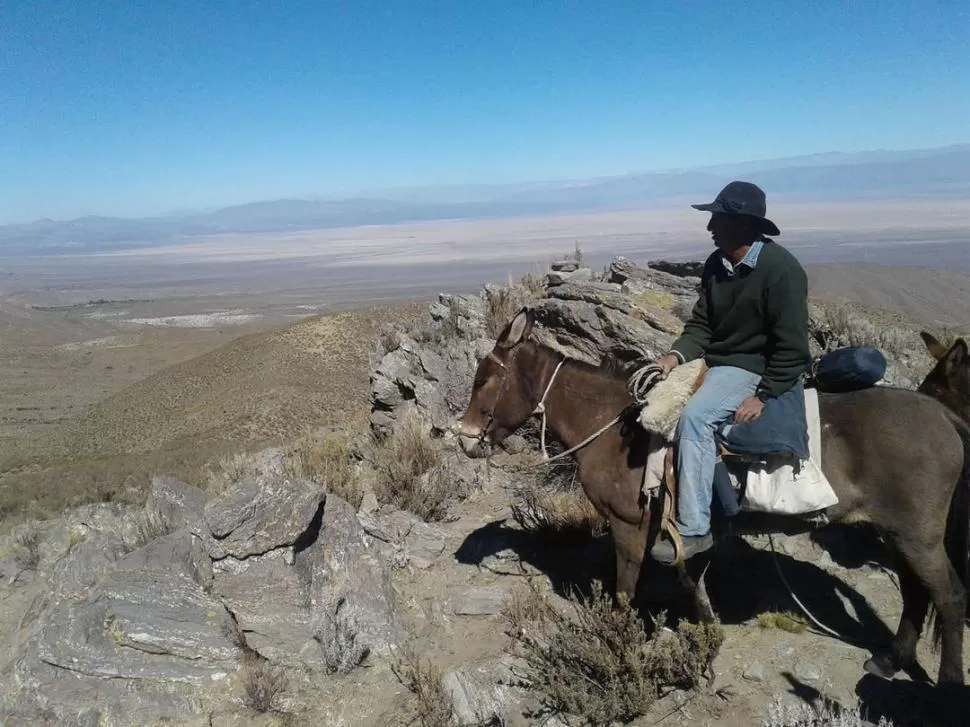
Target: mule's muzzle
472,442
472,446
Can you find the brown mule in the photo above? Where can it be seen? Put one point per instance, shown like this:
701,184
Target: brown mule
897,459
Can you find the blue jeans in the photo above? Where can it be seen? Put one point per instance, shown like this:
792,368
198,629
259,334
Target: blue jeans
722,392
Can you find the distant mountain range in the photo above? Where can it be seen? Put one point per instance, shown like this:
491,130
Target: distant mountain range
940,172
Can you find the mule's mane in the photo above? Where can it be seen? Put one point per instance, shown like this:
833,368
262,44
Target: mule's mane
610,367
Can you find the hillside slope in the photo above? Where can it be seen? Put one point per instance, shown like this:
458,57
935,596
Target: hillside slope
261,388
927,296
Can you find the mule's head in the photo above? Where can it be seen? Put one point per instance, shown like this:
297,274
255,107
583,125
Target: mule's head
950,378
500,400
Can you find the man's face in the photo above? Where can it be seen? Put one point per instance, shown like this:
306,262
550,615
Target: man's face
729,231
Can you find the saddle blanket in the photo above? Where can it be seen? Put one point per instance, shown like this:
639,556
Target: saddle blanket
778,484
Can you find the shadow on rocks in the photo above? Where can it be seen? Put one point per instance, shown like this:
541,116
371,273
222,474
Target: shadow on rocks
908,703
743,582
853,547
572,565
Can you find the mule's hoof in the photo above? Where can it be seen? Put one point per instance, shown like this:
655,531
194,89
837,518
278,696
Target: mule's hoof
881,665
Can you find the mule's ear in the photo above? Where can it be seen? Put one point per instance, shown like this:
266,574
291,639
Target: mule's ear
518,330
956,358
937,350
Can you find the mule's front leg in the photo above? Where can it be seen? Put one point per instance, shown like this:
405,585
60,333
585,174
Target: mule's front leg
630,542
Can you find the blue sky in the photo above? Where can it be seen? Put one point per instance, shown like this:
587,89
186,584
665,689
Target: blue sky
132,108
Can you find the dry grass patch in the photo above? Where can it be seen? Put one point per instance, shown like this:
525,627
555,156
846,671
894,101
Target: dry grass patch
26,547
326,459
596,664
782,621
558,514
410,471
431,706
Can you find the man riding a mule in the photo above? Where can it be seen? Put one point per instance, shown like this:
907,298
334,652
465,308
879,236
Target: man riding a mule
750,324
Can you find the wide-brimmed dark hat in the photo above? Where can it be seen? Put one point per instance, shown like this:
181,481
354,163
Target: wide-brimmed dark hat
742,198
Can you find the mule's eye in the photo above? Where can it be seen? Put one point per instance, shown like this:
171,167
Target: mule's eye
479,382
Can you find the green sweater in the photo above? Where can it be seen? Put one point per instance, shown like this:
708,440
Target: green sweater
756,319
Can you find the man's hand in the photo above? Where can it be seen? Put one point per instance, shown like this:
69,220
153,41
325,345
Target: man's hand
668,363
749,410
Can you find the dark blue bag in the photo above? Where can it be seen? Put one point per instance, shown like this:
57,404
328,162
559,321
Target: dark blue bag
781,428
849,369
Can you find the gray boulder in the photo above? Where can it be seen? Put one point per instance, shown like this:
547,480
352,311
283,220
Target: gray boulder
259,515
420,543
344,564
590,332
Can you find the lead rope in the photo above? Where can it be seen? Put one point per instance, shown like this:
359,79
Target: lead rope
791,593
541,408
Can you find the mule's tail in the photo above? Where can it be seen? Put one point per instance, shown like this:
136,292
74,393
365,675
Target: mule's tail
956,540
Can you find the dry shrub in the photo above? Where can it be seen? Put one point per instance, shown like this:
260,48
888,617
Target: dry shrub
326,459
26,547
232,469
501,304
825,714
338,638
557,514
598,665
263,683
431,705
840,326
410,471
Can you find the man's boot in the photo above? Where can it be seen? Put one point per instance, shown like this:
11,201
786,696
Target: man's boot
663,548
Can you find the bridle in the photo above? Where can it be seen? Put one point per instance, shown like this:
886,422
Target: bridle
539,409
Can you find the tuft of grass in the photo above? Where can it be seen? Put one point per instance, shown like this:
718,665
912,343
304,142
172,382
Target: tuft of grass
263,683
431,704
782,621
338,639
825,713
232,469
410,471
653,299
598,665
326,459
148,526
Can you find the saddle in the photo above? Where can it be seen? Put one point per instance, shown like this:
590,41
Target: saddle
772,465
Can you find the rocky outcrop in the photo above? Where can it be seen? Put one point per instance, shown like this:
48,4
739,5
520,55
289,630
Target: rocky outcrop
124,631
627,313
